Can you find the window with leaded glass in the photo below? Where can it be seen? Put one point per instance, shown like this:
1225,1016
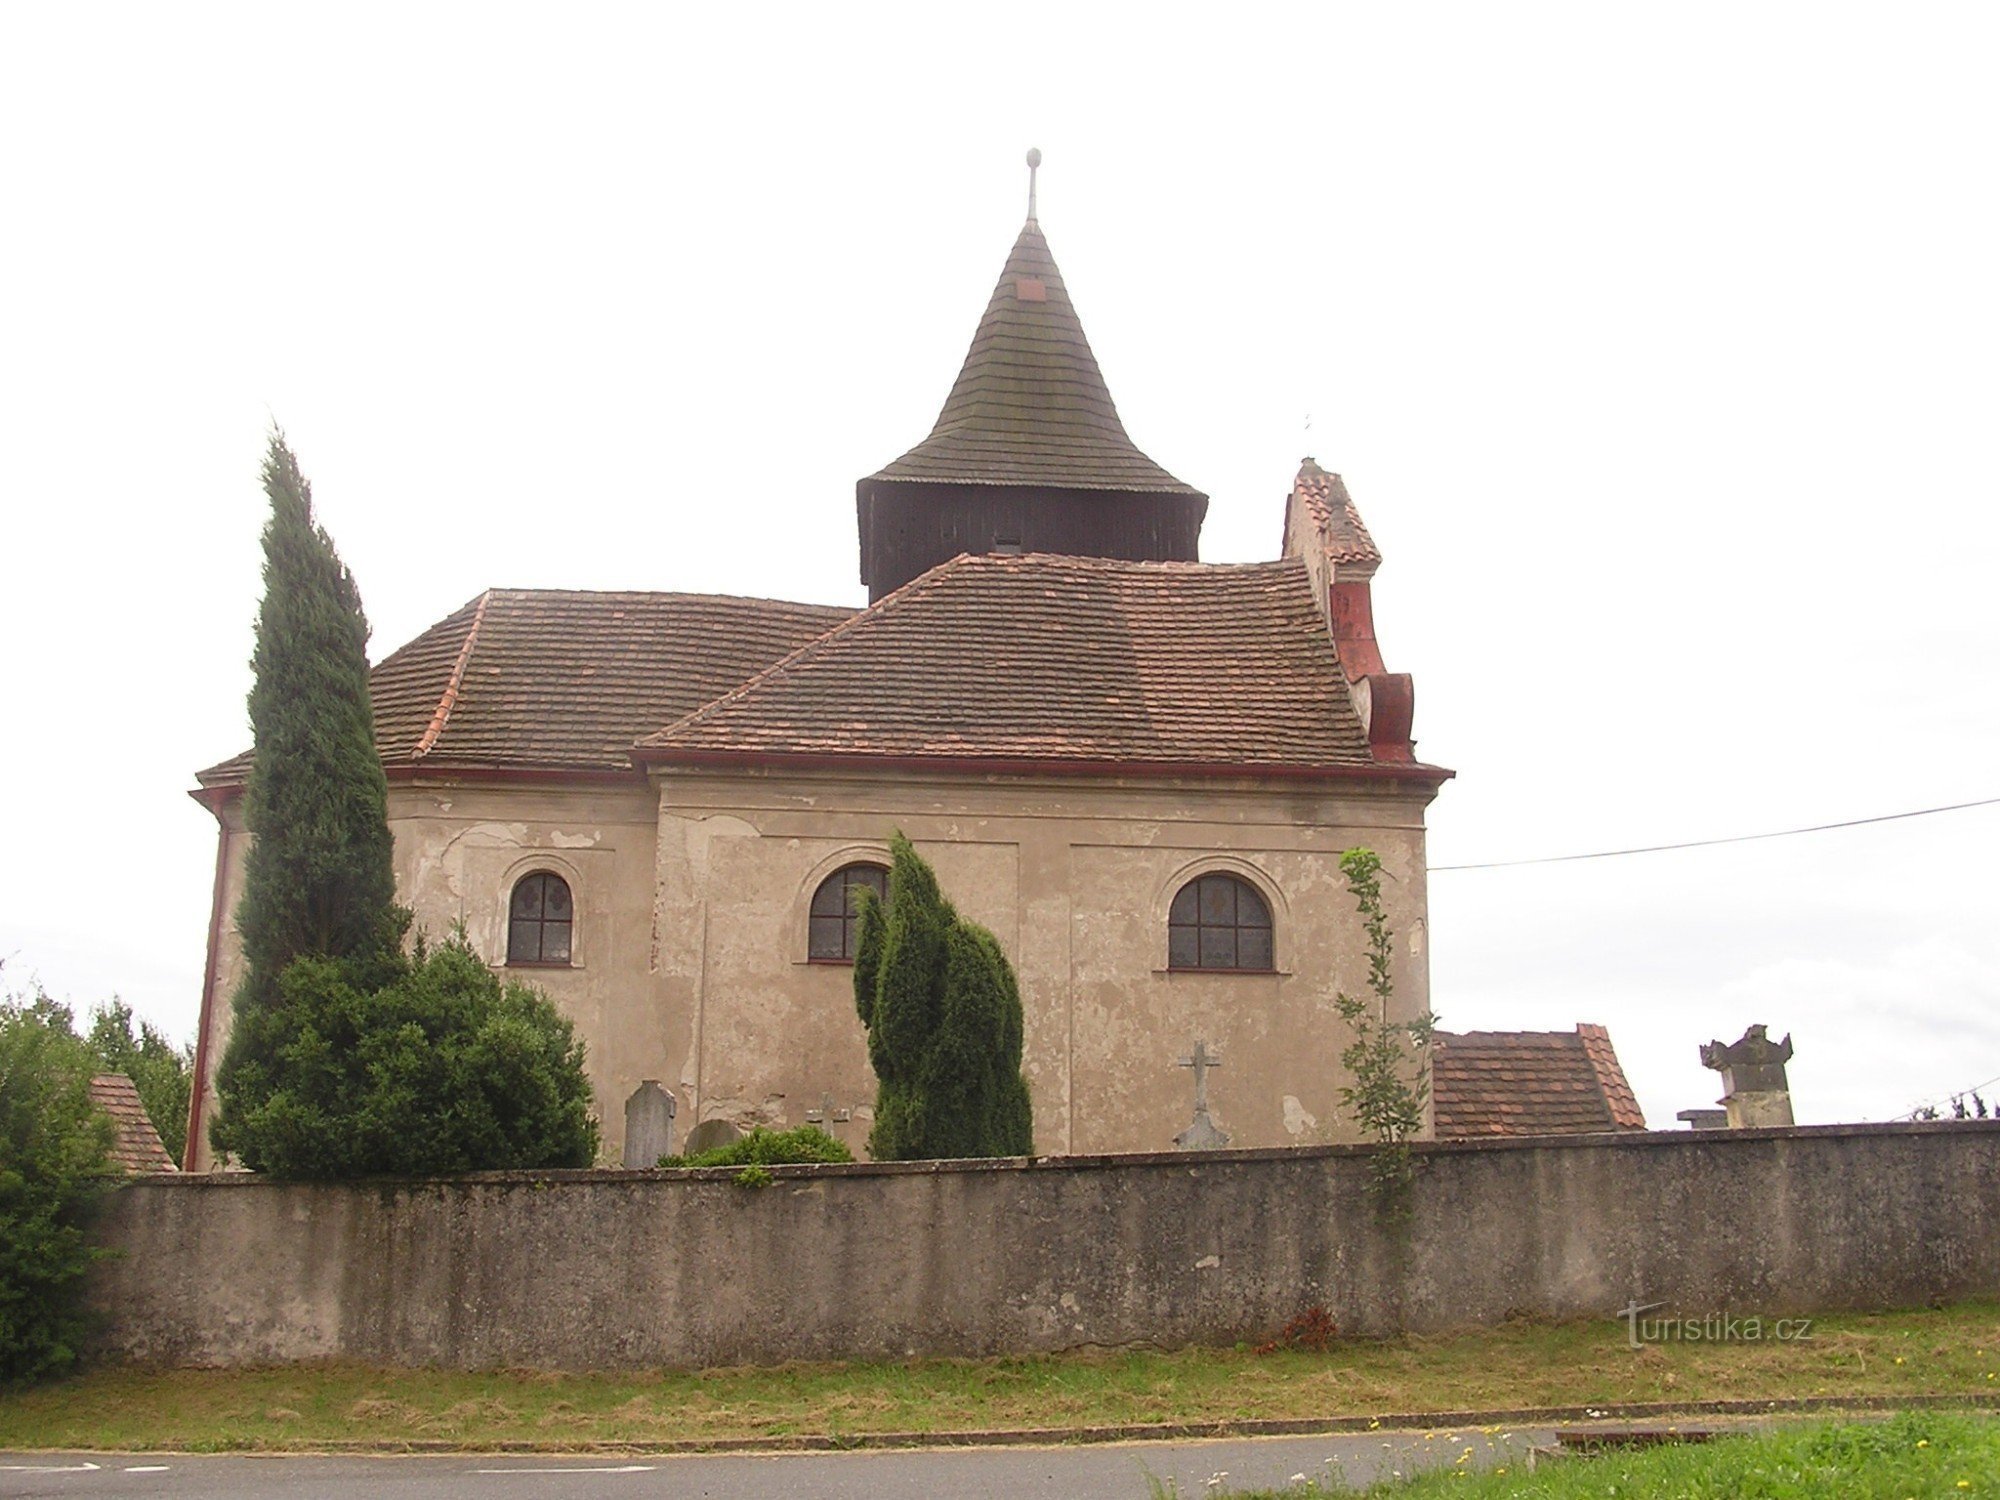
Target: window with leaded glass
1219,922
540,920
831,920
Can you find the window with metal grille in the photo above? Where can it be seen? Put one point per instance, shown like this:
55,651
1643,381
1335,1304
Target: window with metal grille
1219,922
540,920
830,921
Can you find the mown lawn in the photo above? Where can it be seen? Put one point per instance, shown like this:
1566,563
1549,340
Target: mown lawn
1920,1455
1951,1351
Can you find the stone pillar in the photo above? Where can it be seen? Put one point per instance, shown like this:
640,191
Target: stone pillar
649,1125
1754,1090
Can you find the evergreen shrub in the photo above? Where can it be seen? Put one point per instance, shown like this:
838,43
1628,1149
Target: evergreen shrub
768,1148
414,1067
943,1013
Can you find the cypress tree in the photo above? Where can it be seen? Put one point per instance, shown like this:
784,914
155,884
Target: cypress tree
349,1057
317,879
943,1014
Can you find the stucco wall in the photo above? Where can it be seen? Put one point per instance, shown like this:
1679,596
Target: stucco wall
458,851
1074,878
690,941
580,1270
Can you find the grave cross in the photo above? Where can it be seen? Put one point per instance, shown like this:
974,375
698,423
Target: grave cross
1201,1061
826,1114
1201,1134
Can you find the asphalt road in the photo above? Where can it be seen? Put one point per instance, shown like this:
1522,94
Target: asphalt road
1108,1471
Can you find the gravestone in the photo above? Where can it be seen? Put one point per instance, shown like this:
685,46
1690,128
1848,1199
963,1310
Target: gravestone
1202,1134
709,1134
649,1125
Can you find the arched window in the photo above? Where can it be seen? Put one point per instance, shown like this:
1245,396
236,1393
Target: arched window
1218,922
830,922
540,918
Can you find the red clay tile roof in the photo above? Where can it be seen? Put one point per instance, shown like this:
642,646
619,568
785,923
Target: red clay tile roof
1030,406
1488,1083
137,1147
564,679
1334,515
1045,657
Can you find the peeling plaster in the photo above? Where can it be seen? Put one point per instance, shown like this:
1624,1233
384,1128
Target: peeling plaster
1298,1119
701,834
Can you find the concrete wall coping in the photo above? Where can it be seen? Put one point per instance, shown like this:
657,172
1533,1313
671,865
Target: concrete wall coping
1627,1140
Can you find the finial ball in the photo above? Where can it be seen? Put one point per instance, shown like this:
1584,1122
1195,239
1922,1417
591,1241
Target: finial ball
1034,156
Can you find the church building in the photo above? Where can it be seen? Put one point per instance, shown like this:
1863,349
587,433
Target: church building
1137,769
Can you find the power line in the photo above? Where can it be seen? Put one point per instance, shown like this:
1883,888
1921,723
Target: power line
1947,1098
1741,838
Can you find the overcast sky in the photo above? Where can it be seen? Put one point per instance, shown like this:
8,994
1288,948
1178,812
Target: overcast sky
1657,346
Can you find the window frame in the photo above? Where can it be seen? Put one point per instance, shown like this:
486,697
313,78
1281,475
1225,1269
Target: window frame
847,917
1200,925
541,921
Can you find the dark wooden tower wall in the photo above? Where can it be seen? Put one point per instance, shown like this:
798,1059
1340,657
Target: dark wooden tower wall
908,529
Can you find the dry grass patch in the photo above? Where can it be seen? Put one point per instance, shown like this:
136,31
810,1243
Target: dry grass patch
1953,1351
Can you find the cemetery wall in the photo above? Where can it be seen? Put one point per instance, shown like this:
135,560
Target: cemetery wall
594,1269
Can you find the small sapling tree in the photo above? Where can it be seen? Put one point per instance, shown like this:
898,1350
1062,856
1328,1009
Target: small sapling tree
1385,1059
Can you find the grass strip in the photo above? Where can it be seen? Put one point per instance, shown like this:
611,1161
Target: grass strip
1919,1455
1952,1352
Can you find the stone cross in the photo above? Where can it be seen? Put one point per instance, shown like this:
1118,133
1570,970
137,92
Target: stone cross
1201,1134
1201,1061
826,1115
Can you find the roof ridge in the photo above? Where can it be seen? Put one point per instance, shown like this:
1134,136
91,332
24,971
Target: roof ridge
881,607
428,740
659,594
1130,564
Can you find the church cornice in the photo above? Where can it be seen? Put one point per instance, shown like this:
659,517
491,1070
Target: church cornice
1413,774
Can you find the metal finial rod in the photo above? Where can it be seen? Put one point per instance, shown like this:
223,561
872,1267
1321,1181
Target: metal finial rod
1034,161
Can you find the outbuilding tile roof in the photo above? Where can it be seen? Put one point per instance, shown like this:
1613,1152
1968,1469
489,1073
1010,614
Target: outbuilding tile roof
1045,657
1488,1083
137,1147
1030,406
566,679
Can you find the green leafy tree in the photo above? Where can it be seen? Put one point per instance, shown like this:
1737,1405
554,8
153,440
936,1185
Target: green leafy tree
54,1157
1385,1059
317,879
415,1066
159,1070
943,1014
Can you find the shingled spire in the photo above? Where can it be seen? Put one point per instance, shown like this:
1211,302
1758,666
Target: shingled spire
1028,453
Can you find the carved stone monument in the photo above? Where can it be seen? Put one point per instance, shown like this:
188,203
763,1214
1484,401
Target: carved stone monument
1202,1134
649,1125
1754,1090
